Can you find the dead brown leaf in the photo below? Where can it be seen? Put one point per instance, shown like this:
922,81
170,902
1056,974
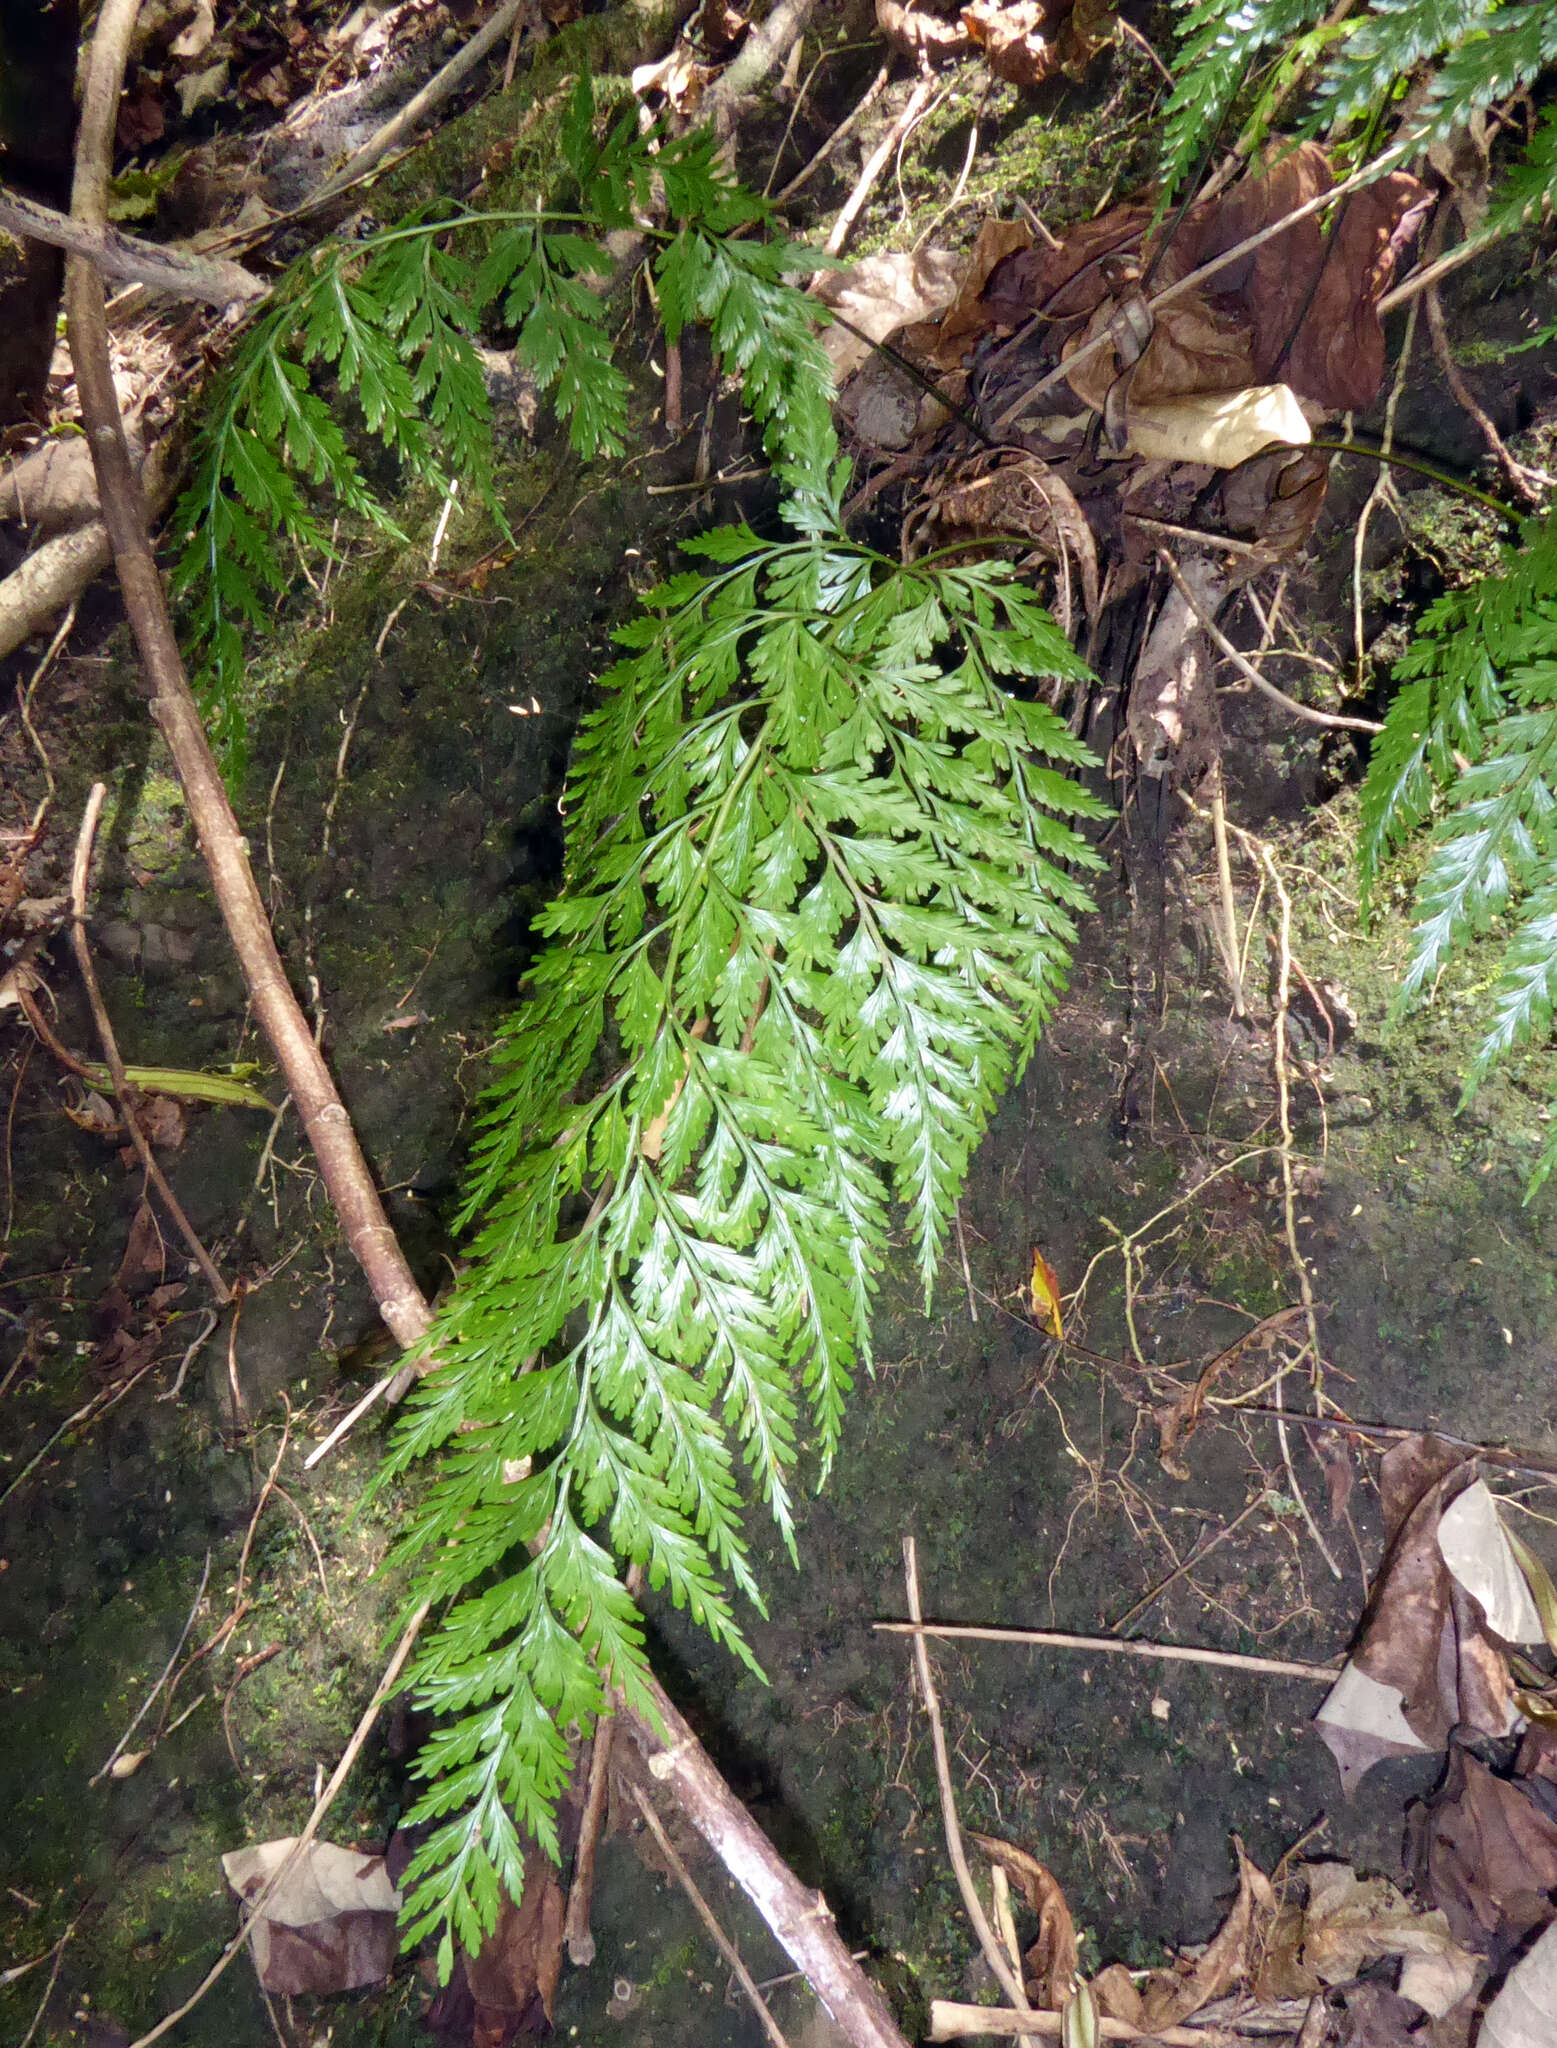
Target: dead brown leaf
1051,1965
145,1255
1310,298
1067,282
720,26
916,32
882,294
1020,496
1016,39
1488,1854
507,1991
332,1925
968,316
1230,1959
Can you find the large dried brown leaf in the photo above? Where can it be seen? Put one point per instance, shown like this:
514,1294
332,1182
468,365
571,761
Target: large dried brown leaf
1017,40
1067,282
882,294
1426,1661
508,1990
1020,496
1172,1996
917,32
968,316
1488,1855
1310,298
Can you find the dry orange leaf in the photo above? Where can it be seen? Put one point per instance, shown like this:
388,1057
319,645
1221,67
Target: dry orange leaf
1046,1295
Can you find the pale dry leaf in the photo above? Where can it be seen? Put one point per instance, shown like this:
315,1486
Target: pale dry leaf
882,294
199,88
1219,428
1524,2013
192,39
1474,1546
1351,1921
1362,1722
1172,1996
331,1925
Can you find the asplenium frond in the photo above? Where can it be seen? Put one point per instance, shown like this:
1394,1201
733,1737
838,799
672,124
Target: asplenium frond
1474,733
821,882
395,317
1220,44
1474,53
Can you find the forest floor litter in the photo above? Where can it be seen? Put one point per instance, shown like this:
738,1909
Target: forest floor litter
1219,1681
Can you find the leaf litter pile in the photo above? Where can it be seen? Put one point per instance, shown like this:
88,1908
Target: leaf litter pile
1135,403
1137,408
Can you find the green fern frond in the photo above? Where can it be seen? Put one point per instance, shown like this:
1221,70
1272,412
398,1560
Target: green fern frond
394,319
1220,43
1509,49
1494,842
1386,44
820,892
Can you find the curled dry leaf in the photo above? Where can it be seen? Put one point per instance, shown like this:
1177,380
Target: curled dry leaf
1051,1965
917,32
1048,1305
1027,41
1015,495
1173,1995
1521,2014
1488,1854
968,317
678,78
507,1991
1014,39
1425,1661
1346,1923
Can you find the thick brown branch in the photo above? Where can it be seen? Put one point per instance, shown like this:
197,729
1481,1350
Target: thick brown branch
176,273
800,1919
329,1129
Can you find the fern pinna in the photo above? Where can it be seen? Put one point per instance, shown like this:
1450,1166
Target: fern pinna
395,317
820,890
1473,734
1243,54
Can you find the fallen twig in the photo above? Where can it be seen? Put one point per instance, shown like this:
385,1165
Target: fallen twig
576,1930
705,1913
167,1670
757,56
950,2021
346,1173
321,1807
875,164
123,1093
1056,1639
176,273
1246,667
437,89
800,1920
1008,1979
839,136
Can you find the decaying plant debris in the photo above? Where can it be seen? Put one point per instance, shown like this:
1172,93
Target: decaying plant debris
1140,410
